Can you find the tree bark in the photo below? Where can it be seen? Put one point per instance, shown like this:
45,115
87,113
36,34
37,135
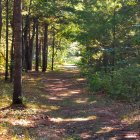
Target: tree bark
12,58
26,39
45,49
26,44
17,18
37,48
53,47
7,36
114,40
30,49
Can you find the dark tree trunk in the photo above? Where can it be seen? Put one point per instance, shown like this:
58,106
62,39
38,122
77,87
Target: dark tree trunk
26,44
53,47
114,40
37,48
17,18
26,39
0,19
40,53
7,36
45,49
23,46
30,49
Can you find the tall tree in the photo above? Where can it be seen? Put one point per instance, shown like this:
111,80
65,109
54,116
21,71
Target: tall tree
12,56
30,48
45,48
37,48
53,47
17,18
7,37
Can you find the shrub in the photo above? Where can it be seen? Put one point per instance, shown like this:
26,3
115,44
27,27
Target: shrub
122,84
125,84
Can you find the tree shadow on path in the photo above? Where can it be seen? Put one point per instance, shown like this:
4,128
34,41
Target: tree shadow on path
59,107
73,114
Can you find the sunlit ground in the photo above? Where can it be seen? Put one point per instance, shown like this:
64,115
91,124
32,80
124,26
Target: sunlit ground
58,106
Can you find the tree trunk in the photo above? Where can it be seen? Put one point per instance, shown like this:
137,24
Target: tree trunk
37,48
45,49
53,47
114,40
7,36
23,46
26,44
40,53
17,18
26,35
12,58
30,49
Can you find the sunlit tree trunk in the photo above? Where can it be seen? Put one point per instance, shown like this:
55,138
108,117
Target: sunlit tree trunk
17,18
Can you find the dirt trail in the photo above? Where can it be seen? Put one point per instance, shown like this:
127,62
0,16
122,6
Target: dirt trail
65,110
82,115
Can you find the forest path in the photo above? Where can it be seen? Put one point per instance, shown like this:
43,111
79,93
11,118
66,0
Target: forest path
75,113
59,107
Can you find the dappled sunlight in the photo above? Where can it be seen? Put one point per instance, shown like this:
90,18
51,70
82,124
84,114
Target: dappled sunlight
58,120
81,100
105,129
68,93
13,123
131,136
45,96
93,102
80,79
132,118
22,122
3,129
59,89
34,79
43,106
4,102
75,92
60,105
55,98
85,135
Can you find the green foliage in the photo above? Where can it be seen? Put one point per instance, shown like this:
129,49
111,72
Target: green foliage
122,84
126,84
109,36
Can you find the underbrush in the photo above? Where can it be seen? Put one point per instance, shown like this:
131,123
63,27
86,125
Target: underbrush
5,93
122,84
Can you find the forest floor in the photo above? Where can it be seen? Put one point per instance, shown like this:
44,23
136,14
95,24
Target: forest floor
60,107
